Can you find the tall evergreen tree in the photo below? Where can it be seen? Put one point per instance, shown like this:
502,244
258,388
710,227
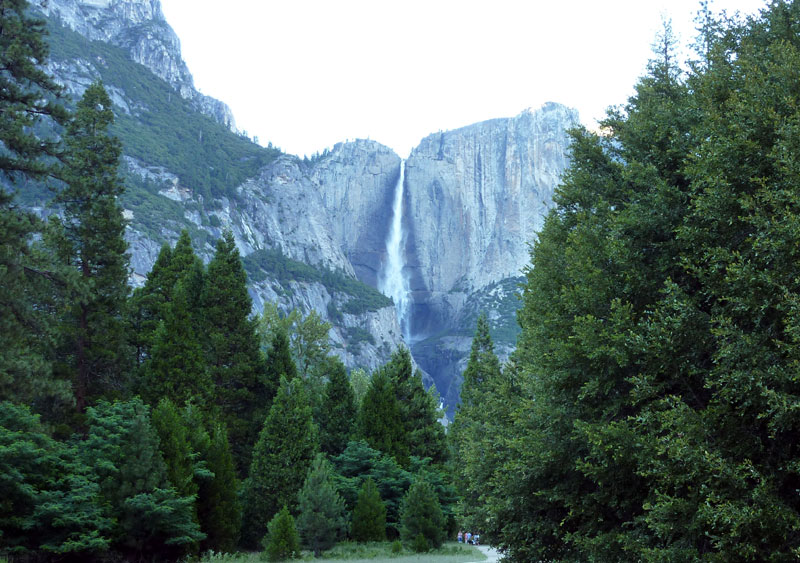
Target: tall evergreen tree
473,432
177,368
322,520
175,447
92,242
28,97
422,433
286,446
233,355
218,507
337,416
380,421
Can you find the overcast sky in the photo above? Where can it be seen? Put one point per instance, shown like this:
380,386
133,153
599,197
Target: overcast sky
306,74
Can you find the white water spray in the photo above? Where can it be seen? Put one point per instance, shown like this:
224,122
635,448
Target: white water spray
393,281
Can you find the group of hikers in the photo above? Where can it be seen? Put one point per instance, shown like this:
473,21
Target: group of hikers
468,538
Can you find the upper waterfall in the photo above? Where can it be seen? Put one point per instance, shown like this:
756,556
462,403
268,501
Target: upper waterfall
393,280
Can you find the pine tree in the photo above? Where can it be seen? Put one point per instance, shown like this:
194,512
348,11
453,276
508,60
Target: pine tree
337,415
282,541
322,520
285,449
28,98
152,519
421,515
422,434
369,515
176,368
218,508
473,432
51,502
92,242
232,349
380,420
175,448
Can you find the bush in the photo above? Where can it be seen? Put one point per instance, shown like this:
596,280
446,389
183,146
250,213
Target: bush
282,541
369,514
397,547
420,544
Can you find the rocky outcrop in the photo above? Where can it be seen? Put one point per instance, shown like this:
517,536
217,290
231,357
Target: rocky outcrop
476,197
138,27
356,182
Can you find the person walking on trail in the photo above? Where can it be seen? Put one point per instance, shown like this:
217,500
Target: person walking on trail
460,536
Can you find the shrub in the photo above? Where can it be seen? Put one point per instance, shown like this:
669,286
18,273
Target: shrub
282,541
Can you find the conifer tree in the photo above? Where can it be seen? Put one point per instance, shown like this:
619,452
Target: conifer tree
233,356
91,240
380,421
337,414
152,519
421,515
176,368
175,447
218,507
369,515
422,433
322,520
285,449
282,541
28,98
51,502
473,431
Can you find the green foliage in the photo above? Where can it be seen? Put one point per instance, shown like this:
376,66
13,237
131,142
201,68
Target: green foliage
285,449
218,507
380,421
152,520
472,433
421,515
369,515
282,541
91,240
164,129
361,298
175,448
233,355
50,502
358,463
322,520
337,415
26,95
649,411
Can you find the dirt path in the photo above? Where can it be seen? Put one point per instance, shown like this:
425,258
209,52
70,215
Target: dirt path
492,555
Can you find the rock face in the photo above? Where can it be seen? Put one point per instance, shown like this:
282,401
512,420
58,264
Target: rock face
477,196
356,182
139,27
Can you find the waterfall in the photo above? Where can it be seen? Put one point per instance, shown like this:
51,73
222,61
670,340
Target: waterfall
392,281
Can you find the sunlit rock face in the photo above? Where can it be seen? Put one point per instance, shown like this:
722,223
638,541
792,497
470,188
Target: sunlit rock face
139,27
477,196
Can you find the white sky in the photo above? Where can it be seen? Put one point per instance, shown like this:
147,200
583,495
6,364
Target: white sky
305,74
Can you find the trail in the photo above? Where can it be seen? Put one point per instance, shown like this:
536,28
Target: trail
492,555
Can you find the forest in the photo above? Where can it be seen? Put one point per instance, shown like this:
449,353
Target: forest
650,412
651,409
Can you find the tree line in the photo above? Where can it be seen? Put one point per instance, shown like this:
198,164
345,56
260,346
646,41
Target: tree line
167,421
650,410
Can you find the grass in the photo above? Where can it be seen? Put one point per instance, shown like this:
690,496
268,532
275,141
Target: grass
376,552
